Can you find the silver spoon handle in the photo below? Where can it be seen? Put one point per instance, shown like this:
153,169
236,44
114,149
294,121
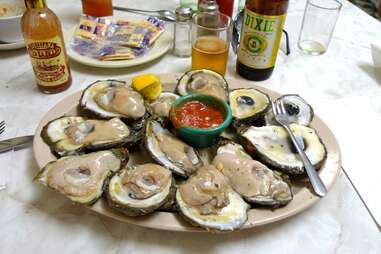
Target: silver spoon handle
315,180
132,10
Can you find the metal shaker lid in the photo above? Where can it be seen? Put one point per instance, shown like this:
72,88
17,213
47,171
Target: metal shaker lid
183,14
209,6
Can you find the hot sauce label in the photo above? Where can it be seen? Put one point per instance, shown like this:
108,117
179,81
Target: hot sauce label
260,38
48,61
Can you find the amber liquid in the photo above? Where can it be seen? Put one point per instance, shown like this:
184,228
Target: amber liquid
264,7
42,24
97,8
210,52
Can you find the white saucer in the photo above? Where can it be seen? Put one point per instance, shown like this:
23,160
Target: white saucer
12,45
160,47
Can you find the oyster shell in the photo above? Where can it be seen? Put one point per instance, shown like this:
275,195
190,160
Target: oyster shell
207,200
254,181
113,98
273,146
140,189
70,135
204,82
169,151
248,106
82,178
297,108
162,105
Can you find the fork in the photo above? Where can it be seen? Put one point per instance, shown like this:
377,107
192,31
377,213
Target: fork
282,117
2,126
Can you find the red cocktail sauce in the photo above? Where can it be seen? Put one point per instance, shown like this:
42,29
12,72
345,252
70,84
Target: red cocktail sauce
198,115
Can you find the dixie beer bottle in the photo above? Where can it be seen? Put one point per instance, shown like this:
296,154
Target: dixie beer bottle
44,42
260,37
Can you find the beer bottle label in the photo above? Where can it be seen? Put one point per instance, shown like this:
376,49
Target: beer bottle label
260,38
48,61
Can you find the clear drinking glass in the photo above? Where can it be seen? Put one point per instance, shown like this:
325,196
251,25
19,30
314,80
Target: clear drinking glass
319,21
211,35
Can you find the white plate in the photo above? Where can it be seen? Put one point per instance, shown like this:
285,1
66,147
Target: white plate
13,45
303,197
160,47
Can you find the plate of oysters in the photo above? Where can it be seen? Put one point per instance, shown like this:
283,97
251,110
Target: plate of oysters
117,153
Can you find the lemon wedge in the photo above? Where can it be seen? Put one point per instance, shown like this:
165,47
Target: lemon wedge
147,85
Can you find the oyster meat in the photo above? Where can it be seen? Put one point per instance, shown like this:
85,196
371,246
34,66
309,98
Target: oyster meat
70,135
162,105
169,151
140,189
248,106
254,181
226,145
207,200
272,145
297,108
113,98
204,82
82,178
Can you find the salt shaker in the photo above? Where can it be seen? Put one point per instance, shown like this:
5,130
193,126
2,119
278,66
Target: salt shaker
182,45
209,6
211,19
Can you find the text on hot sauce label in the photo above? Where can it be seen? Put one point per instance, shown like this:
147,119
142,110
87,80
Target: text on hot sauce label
48,61
44,50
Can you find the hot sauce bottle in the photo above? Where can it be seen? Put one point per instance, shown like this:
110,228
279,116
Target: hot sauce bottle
44,42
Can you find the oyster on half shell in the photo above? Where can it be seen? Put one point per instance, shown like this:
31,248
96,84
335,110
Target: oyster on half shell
297,108
207,200
162,105
140,189
272,146
113,98
70,135
254,181
248,106
204,82
169,151
82,178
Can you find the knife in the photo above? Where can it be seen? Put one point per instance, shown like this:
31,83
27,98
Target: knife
15,143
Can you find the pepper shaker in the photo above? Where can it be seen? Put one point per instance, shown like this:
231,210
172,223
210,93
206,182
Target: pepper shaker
182,44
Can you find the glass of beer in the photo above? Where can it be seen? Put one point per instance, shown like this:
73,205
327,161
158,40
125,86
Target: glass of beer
97,8
211,34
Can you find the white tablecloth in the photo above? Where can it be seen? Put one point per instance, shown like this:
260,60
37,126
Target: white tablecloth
342,86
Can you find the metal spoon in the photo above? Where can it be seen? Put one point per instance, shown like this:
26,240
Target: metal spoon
166,15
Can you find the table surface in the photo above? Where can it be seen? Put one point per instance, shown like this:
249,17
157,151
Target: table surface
343,86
